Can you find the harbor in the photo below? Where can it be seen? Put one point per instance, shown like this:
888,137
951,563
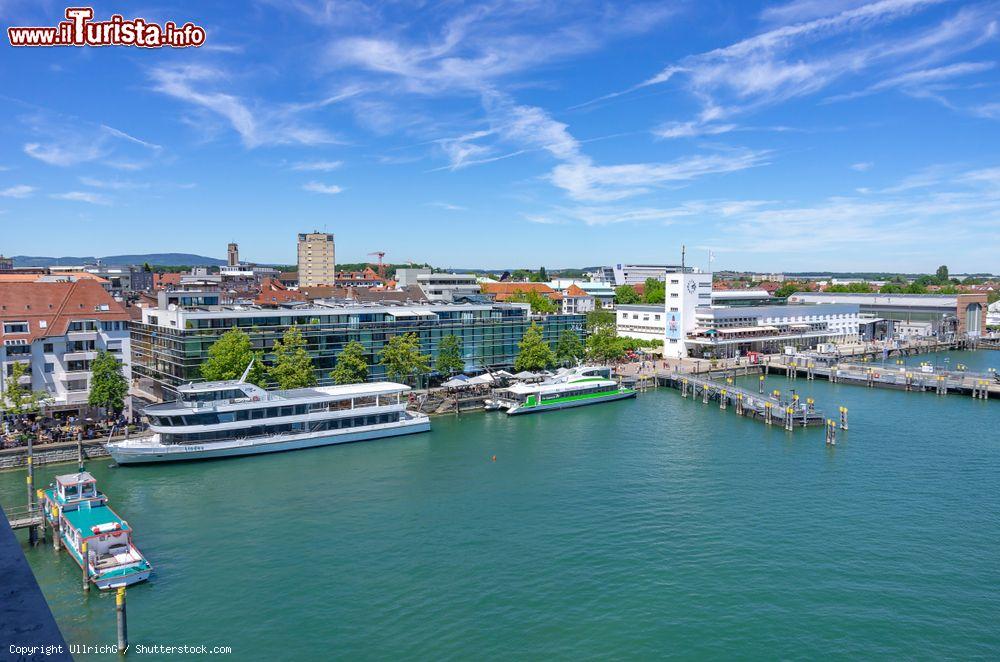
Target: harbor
656,496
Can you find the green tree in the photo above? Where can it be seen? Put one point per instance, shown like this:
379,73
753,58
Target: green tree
540,304
449,360
942,274
520,275
654,291
292,367
230,355
599,317
108,386
786,290
18,400
351,367
626,294
604,346
891,288
916,287
402,358
542,276
569,348
533,352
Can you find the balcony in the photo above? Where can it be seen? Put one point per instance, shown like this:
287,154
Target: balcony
83,355
82,335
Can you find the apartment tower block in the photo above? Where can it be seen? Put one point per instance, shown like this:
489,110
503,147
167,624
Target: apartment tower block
317,263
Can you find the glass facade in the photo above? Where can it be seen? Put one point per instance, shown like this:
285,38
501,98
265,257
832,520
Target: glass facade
164,357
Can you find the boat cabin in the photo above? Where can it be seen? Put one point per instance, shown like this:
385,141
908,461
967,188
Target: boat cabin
76,487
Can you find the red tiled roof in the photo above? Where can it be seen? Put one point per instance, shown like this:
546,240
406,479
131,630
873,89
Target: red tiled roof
575,290
162,280
56,304
273,292
506,291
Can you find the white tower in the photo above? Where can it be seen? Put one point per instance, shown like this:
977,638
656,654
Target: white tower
685,290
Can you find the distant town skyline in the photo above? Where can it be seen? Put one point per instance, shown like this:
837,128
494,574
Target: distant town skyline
846,135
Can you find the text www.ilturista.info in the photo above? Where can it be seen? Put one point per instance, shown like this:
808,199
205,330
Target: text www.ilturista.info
80,30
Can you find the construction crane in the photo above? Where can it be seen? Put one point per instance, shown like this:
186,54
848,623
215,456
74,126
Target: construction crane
381,267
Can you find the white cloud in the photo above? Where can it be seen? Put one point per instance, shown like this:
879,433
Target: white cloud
63,155
862,166
82,196
257,124
319,187
916,82
84,143
321,166
447,206
585,181
111,184
19,191
830,42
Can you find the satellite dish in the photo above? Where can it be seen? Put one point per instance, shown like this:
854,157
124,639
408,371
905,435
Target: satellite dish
172,307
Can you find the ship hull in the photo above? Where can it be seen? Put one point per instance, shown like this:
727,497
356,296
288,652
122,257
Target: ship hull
566,404
137,453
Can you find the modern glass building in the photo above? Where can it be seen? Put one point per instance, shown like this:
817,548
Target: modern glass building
170,344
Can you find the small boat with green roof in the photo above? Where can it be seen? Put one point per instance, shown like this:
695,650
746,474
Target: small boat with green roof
94,535
573,387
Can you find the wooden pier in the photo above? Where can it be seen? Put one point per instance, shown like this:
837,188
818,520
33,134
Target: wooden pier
770,408
896,376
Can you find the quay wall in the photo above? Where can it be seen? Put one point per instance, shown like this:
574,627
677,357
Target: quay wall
65,451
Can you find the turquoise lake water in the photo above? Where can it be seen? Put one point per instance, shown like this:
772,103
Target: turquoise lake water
654,527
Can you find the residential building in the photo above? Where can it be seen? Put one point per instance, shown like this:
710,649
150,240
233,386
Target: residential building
289,279
316,259
246,273
602,293
56,329
273,293
447,287
576,300
123,282
896,315
170,344
408,276
364,278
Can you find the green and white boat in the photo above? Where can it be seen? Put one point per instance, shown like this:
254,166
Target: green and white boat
574,387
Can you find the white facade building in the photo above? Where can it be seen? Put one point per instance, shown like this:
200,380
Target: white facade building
684,292
57,330
448,287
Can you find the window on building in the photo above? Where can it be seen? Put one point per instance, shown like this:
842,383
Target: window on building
47,348
15,327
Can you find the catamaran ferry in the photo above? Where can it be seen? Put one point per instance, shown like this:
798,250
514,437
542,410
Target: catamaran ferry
226,418
574,387
94,535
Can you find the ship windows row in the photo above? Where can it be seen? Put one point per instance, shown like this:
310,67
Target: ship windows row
212,418
577,392
284,428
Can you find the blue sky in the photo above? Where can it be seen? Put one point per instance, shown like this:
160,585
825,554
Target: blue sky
801,135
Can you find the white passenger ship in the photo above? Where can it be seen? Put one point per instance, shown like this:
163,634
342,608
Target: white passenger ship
221,419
